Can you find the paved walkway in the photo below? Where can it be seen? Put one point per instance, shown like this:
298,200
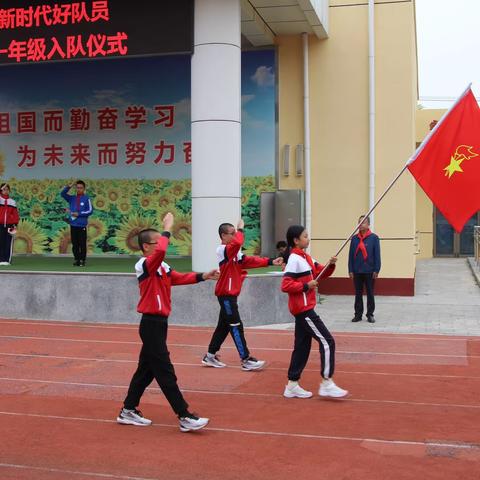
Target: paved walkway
447,301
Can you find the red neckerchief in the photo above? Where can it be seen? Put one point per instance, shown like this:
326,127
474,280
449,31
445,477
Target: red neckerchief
78,203
5,197
361,246
304,255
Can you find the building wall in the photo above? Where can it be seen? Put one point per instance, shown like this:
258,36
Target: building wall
424,207
339,133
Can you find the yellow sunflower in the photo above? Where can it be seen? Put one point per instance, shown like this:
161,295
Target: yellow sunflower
46,183
146,202
126,236
96,228
113,194
124,205
62,241
177,190
268,184
41,197
245,198
100,203
36,211
182,228
159,183
254,247
35,189
164,201
184,245
29,238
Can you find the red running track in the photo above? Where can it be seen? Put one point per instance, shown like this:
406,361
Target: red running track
413,412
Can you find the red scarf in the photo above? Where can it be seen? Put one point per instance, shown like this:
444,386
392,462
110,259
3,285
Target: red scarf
78,203
304,255
5,197
361,246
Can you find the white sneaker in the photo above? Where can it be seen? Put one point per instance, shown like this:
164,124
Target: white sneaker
133,417
329,389
251,363
192,422
296,391
212,361
4,263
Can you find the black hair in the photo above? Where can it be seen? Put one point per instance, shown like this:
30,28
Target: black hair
294,231
364,217
145,236
80,182
4,185
223,228
280,244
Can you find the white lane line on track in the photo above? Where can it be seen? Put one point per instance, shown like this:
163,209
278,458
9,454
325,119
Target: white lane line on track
72,472
259,331
187,345
199,365
237,394
458,445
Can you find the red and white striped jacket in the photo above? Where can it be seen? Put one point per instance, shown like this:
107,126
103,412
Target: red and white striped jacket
232,264
155,279
8,212
298,272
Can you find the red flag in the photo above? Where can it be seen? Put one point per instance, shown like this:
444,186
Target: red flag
447,164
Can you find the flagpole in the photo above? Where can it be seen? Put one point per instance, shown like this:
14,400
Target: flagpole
392,183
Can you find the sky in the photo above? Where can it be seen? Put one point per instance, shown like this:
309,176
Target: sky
448,50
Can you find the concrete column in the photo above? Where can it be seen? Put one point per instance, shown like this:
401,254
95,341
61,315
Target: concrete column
216,125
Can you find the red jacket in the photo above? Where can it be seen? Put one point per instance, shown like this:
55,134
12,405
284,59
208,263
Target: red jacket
155,278
232,263
8,212
298,272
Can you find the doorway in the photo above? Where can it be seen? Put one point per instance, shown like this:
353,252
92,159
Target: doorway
447,242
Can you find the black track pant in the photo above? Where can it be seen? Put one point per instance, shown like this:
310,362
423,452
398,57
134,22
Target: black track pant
6,245
229,321
154,363
360,280
308,325
79,243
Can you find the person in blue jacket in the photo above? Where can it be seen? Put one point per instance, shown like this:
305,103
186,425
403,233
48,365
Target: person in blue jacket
364,266
80,208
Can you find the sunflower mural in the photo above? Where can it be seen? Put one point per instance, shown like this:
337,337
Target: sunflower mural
122,207
29,238
126,235
61,243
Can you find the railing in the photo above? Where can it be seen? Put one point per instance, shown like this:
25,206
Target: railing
476,244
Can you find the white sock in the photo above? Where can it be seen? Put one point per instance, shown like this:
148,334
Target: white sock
292,384
210,355
327,381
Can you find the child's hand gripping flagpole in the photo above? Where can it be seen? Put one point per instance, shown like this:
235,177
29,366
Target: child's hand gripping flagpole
463,123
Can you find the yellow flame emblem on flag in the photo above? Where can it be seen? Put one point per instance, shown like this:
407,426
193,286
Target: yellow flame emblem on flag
463,152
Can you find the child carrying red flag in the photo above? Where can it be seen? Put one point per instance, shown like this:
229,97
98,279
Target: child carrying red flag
299,281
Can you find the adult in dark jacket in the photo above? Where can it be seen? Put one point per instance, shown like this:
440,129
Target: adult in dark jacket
80,208
363,267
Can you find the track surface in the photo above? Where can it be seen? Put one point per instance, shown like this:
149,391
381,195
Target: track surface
413,412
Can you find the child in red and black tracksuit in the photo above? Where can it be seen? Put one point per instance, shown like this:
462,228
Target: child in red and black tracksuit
232,264
299,281
155,279
8,221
